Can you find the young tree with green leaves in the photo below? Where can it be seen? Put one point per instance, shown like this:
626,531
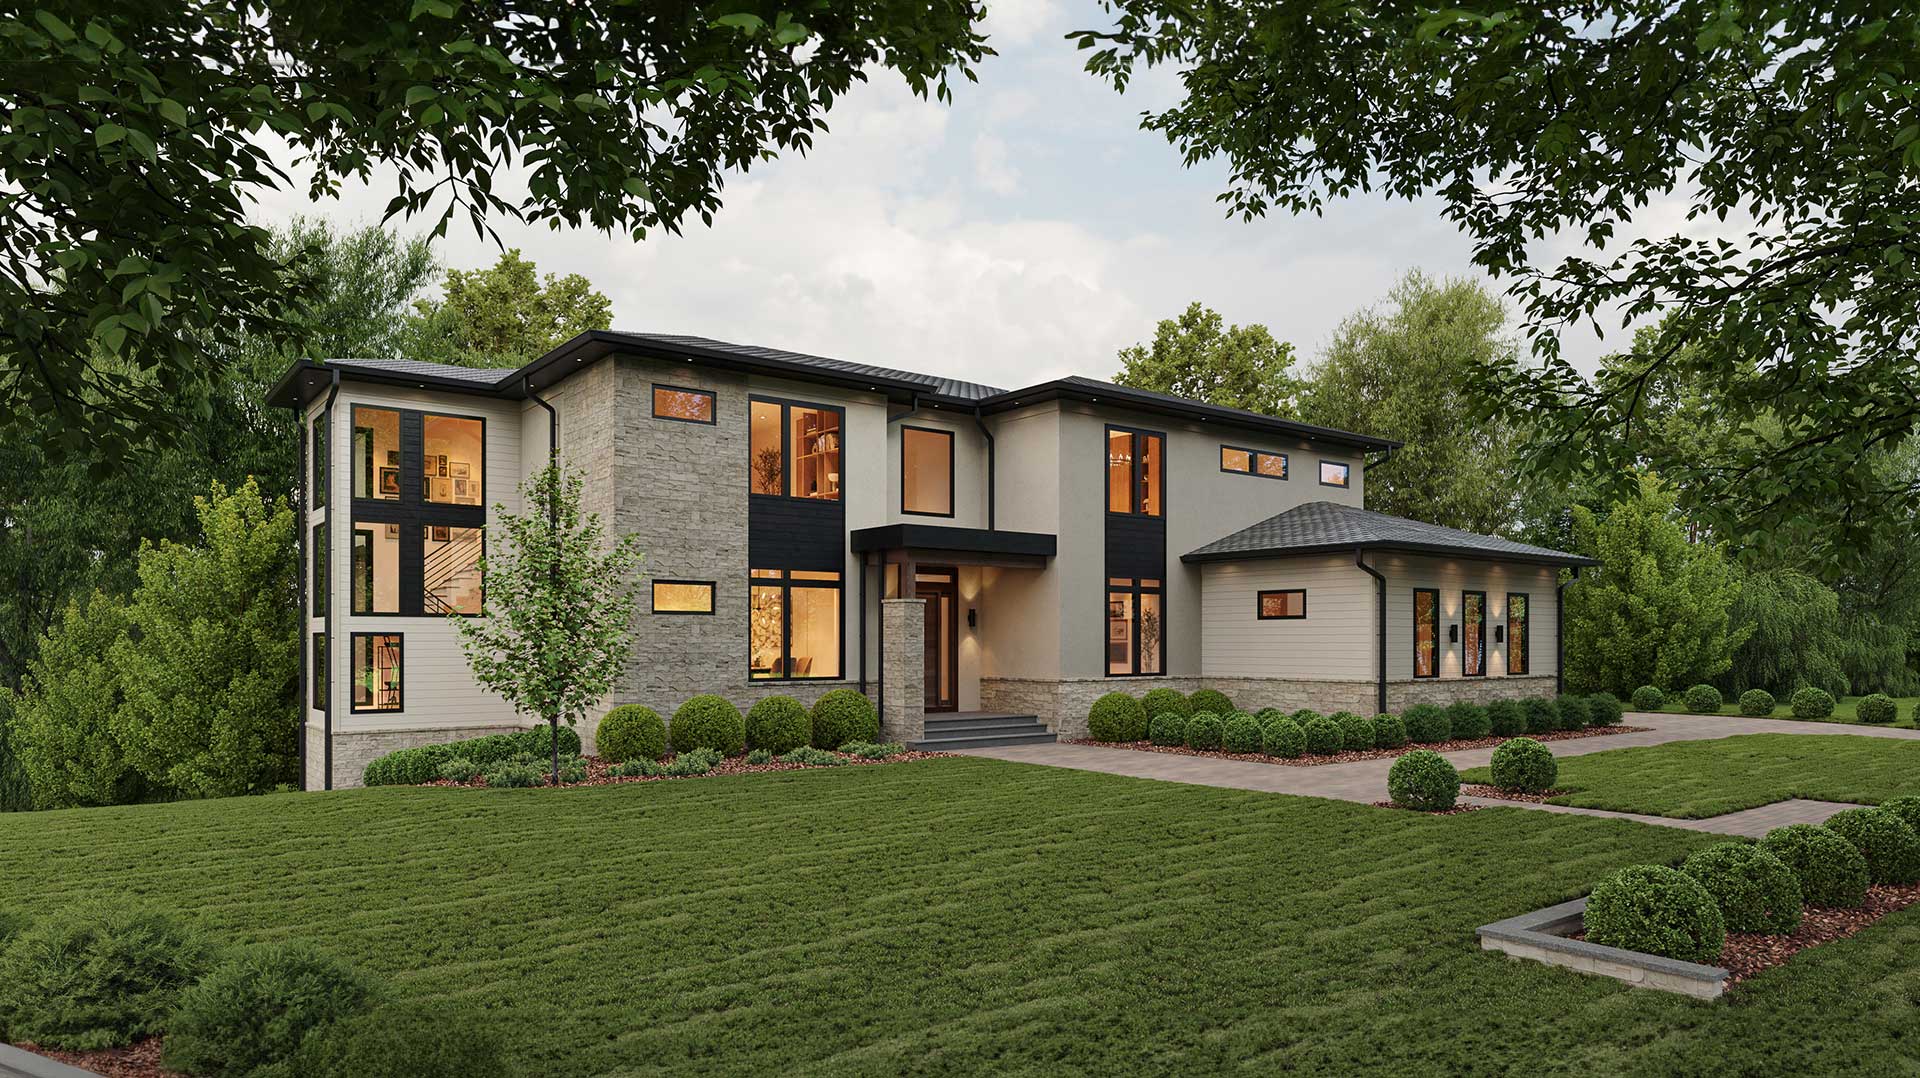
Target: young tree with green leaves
556,623
504,315
1199,357
64,726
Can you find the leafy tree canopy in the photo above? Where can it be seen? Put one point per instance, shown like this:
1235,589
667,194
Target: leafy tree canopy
1786,128
1200,357
505,315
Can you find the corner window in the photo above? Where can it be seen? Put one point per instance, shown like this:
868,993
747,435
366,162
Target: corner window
683,596
1473,633
683,405
450,579
1253,462
376,569
1283,605
793,625
317,550
926,471
1517,650
317,497
1134,472
453,461
1426,632
319,675
1135,627
794,449
1333,473
377,672
376,453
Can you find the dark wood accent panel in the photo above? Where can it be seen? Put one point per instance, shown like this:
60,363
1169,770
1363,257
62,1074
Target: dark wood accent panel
794,533
1136,546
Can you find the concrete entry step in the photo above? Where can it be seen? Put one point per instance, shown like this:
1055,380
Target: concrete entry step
979,729
1042,736
943,725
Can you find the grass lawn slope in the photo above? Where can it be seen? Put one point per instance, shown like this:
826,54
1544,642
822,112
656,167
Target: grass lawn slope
961,916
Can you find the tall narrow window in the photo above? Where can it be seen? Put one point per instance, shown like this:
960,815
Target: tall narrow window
377,672
1135,473
453,462
768,464
1426,632
1517,650
450,570
1473,633
317,497
793,624
376,453
926,471
1119,471
683,405
320,673
1333,473
1135,626
376,569
318,551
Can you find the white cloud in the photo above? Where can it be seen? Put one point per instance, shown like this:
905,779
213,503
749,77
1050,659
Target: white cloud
991,169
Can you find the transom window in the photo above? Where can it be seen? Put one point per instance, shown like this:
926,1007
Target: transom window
1333,473
1283,605
377,672
1253,462
1135,626
794,449
683,596
1135,473
926,471
683,405
1426,632
1517,650
1473,633
793,624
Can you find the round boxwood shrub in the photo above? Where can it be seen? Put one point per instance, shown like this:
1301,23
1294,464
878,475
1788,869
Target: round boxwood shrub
407,1040
1648,698
1506,718
1755,890
1210,700
1810,703
1656,910
1703,700
1891,848
778,724
1356,731
844,715
1542,716
630,732
1907,808
1524,765
95,977
1756,703
1467,721
1205,730
1304,716
1831,872
1284,738
1426,724
257,1006
1604,709
1878,709
1570,712
708,722
1167,728
1423,780
1117,716
1242,733
1323,736
1267,715
1388,732
1160,702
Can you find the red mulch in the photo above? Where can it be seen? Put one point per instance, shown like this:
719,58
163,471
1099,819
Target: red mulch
1454,811
732,765
1509,795
1364,754
140,1059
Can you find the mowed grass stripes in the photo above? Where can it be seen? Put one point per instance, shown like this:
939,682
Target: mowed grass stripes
960,916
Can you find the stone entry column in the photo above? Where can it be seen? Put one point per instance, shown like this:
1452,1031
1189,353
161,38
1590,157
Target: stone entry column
903,677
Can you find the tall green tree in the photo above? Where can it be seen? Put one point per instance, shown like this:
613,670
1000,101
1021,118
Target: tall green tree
1200,357
505,315
1655,612
132,151
1792,125
63,729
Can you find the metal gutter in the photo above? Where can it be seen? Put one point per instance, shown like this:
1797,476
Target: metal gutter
326,619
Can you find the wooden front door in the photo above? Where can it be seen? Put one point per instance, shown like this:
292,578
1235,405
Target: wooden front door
940,588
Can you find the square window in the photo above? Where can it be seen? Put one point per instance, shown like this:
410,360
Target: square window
683,405
1283,605
1333,474
793,625
377,684
1271,465
1235,460
683,596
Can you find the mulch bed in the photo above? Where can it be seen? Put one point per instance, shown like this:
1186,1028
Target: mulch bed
1509,795
138,1060
732,765
1454,811
1363,754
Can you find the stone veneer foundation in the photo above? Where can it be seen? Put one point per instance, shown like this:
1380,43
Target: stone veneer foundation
354,750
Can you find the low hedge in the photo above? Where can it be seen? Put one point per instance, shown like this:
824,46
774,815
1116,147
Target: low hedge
1356,731
1205,730
257,1007
1756,703
1467,720
1423,780
1648,698
1656,910
1604,709
1878,709
1755,890
1506,718
1571,713
778,724
1426,724
1160,702
1212,701
1117,716
404,1040
1323,736
843,715
1542,716
708,722
632,732
1283,738
1703,700
1524,765
1167,728
1388,732
1892,848
1831,872
1242,733
411,767
1810,704
87,977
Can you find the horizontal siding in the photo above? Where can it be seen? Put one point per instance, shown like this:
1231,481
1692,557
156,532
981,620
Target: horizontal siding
1451,578
1334,641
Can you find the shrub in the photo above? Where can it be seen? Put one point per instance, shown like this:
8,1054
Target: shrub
632,732
1755,890
1506,718
515,774
1468,720
1284,738
1117,717
1878,709
1656,910
258,1006
1570,712
1168,728
402,1041
807,754
757,757
1204,730
1907,808
642,767
1891,848
1388,732
867,750
1831,872
94,977
1810,703
697,762
1323,736
1426,724
539,741
407,767
1304,716
1210,700
843,715
1703,700
1756,703
573,769
1648,698
1524,765
1160,702
1356,731
1267,715
779,724
1423,780
1242,734
708,722
1542,716
1603,709
459,769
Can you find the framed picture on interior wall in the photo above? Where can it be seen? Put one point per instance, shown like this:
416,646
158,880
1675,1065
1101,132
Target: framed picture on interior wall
439,533
393,531
460,490
441,491
440,465
389,480
461,469
393,458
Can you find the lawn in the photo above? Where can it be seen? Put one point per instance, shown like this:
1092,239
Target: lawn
959,916
1692,780
1843,710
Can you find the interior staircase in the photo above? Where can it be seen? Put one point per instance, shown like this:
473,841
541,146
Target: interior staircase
981,729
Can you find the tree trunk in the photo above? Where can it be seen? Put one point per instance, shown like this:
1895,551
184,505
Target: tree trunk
553,730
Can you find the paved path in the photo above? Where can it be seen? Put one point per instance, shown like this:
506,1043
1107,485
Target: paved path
1366,780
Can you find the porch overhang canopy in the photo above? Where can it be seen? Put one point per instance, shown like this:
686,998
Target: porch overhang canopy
1329,527
967,546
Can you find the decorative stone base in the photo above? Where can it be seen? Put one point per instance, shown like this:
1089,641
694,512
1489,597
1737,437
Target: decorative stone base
1476,690
1542,936
903,717
354,750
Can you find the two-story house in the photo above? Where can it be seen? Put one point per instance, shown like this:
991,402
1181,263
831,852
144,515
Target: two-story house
951,549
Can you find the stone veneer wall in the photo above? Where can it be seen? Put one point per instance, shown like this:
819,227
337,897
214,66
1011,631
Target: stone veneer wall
904,622
1403,694
353,751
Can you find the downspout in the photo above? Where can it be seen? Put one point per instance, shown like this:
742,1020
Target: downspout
553,529
1380,607
1560,633
988,435
863,624
301,469
326,620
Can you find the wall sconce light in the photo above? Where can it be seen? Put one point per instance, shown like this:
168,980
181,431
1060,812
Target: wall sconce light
1453,634
1499,634
973,618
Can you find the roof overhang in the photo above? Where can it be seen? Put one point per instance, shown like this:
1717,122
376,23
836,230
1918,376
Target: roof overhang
974,545
597,344
1428,550
1158,404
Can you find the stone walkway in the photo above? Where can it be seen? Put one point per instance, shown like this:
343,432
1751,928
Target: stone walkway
1366,780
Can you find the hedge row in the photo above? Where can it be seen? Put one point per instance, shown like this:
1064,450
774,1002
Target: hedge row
1806,703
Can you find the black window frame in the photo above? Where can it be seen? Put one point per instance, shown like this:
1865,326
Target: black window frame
1133,483
420,475
952,494
712,586
353,679
1260,604
1437,658
322,673
317,448
1253,462
1135,589
787,405
320,550
1525,633
1346,474
1485,623
413,513
786,583
713,404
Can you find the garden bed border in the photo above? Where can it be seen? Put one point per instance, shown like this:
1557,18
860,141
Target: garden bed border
1542,936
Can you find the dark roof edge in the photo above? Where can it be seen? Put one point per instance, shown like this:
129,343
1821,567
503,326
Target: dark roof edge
1153,402
284,393
595,343
1545,557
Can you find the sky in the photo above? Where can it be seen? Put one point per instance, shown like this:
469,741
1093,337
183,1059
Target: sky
1026,231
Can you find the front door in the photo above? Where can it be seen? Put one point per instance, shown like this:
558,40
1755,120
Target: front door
940,588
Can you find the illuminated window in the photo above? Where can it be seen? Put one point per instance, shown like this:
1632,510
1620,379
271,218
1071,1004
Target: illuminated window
1135,626
1283,605
926,471
376,453
793,625
683,597
794,449
1134,472
1517,653
376,672
682,405
1473,633
1253,462
1333,474
1426,632
319,673
376,568
450,579
453,463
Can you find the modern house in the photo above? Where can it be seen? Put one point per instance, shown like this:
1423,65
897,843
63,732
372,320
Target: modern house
984,562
